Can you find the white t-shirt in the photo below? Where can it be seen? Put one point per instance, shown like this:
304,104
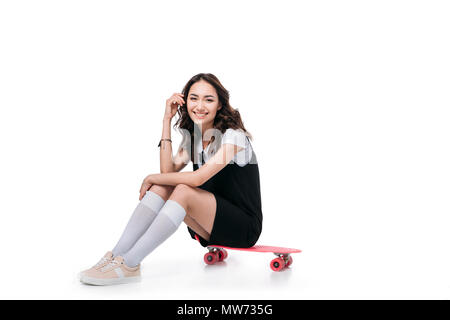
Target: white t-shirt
233,136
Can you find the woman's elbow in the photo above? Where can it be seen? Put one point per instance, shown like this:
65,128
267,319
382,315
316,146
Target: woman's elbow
198,181
167,169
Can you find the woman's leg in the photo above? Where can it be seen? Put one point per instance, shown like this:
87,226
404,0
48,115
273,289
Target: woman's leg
198,229
201,208
163,191
199,205
142,217
166,191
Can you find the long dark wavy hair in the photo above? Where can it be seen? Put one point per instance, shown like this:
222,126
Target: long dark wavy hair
227,117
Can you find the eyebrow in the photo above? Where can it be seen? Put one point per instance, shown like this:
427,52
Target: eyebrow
193,94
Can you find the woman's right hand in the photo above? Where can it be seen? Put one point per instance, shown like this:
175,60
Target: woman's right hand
172,105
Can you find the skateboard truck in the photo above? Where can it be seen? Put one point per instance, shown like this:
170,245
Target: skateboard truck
215,255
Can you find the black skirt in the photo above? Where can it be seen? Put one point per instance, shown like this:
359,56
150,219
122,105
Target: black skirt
232,227
238,220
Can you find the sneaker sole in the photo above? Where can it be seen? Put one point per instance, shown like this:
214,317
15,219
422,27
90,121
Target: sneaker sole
107,282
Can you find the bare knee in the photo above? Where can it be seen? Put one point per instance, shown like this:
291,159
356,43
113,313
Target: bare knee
181,190
163,191
182,194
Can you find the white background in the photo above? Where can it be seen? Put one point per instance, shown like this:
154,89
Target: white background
348,103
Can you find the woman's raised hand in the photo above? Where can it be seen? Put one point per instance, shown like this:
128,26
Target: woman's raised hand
172,105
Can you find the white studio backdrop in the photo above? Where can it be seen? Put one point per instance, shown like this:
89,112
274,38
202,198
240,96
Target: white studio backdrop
348,103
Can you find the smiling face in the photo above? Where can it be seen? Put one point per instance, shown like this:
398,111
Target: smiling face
203,104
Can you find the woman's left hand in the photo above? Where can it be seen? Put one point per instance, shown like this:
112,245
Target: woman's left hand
146,184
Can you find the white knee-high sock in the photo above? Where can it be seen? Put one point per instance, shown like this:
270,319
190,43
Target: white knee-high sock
166,223
142,217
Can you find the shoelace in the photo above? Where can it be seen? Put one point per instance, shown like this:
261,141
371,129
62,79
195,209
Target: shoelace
110,266
101,262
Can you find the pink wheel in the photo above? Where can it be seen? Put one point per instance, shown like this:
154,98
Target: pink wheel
277,264
289,261
210,258
223,254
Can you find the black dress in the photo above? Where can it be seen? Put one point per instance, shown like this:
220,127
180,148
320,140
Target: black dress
238,220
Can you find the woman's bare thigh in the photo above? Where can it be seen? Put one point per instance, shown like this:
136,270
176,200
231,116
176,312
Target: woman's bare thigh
199,204
198,229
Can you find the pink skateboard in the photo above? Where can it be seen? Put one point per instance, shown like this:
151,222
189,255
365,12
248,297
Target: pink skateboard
218,253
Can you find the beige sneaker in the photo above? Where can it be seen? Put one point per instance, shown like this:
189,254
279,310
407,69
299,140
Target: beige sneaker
100,264
115,272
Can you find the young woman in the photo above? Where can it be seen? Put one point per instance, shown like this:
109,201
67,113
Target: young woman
219,200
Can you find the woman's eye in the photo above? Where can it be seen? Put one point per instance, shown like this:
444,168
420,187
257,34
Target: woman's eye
209,100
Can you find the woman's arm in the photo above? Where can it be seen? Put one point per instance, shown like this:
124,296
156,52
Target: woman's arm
218,161
173,178
166,163
165,150
195,178
181,160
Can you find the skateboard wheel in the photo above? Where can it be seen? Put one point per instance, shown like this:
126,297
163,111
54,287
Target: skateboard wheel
220,255
210,258
289,261
277,264
223,254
